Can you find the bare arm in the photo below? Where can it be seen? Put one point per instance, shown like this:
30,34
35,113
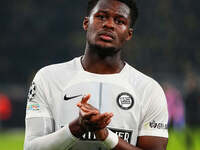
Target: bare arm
152,143
144,142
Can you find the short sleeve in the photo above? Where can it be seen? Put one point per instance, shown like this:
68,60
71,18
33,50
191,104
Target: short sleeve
155,113
37,105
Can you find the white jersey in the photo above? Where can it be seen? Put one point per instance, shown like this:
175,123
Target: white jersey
137,101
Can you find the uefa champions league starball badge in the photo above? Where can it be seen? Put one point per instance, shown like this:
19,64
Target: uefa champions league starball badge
125,101
32,91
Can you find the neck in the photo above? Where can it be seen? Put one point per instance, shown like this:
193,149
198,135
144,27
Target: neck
102,61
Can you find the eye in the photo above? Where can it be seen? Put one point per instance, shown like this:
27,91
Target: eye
101,17
119,21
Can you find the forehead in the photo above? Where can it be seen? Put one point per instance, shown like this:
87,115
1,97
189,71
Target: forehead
113,6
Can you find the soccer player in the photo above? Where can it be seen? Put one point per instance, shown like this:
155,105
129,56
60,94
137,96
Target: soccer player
97,101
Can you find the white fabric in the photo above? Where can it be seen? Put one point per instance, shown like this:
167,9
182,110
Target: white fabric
147,117
40,135
111,141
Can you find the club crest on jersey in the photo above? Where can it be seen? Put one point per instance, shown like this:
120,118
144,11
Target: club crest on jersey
32,91
125,100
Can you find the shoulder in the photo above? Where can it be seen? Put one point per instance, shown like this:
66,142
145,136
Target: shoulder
56,68
147,89
58,72
142,80
59,68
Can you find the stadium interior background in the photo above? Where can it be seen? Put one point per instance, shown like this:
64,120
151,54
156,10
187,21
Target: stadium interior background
166,46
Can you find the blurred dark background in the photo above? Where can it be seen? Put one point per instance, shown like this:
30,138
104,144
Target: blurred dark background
36,33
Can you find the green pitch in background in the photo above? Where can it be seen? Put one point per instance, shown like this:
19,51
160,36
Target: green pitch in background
13,140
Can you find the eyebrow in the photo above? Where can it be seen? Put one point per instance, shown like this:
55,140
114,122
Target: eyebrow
103,11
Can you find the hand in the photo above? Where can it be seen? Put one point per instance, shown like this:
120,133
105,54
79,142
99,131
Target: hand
78,126
90,117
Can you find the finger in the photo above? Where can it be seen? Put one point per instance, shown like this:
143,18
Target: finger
85,99
88,112
99,118
87,115
79,104
88,107
108,117
104,124
107,122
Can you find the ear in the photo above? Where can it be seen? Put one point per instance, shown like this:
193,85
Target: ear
130,34
85,23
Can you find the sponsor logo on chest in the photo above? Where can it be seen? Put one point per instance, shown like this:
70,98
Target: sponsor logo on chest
122,133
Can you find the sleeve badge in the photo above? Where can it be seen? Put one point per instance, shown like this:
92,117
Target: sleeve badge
32,91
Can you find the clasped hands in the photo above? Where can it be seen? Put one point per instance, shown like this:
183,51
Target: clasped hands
92,120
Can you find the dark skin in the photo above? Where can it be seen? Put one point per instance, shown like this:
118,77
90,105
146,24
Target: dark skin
108,29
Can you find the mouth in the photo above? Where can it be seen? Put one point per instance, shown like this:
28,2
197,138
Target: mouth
106,36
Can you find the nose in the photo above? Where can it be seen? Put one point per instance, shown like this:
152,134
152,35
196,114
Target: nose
109,24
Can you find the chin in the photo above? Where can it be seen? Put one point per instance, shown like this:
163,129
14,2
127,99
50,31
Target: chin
104,49
105,45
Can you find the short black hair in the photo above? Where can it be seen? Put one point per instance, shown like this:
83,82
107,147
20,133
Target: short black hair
130,3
